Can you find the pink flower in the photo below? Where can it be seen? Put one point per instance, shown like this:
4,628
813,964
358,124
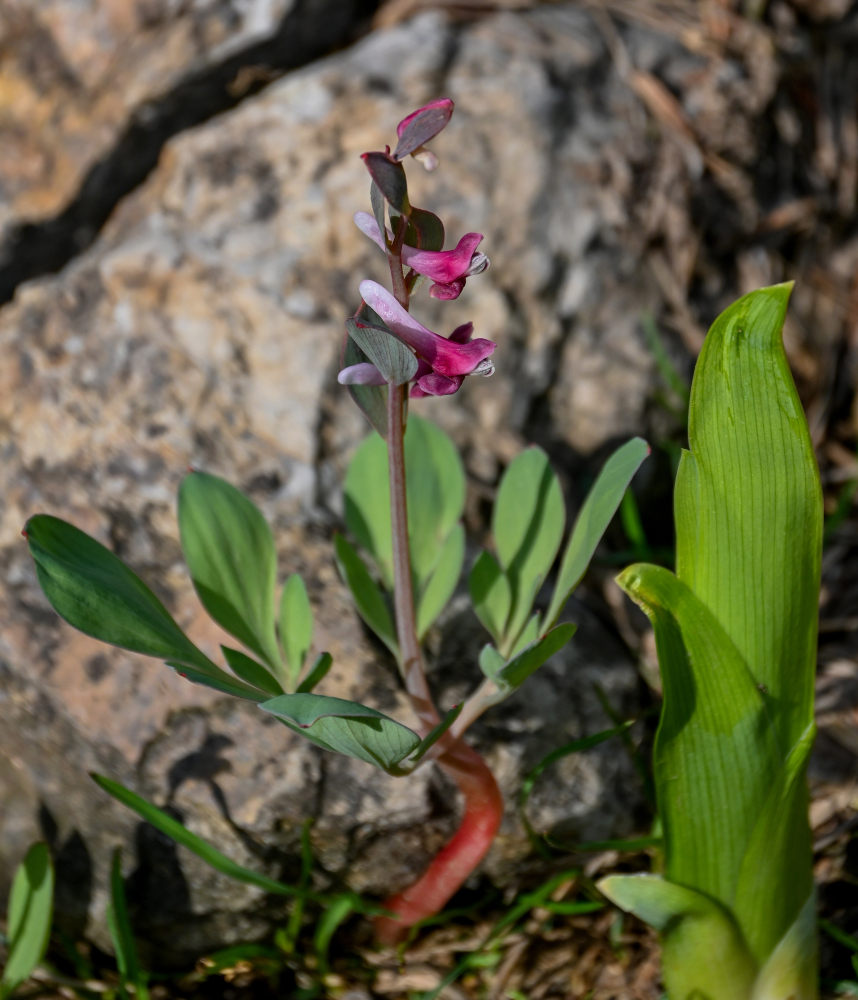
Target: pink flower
442,362
448,269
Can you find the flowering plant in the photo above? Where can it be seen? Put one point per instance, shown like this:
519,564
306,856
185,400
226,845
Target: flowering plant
403,556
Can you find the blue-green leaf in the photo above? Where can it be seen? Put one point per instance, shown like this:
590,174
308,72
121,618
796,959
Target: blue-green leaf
95,592
491,594
345,727
296,626
599,507
247,669
28,918
368,599
230,552
442,582
516,672
527,525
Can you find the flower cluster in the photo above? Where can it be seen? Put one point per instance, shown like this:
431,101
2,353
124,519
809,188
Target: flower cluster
413,242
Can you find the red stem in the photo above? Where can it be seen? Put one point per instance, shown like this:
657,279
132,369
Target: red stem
460,855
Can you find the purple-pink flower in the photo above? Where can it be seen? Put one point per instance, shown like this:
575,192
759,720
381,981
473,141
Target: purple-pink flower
448,269
442,362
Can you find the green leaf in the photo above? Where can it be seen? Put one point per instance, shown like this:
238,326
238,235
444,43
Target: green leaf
371,400
440,586
121,934
715,744
368,599
593,518
296,626
704,954
491,594
366,494
749,505
791,969
435,483
390,356
230,552
435,734
173,829
247,669
345,727
491,662
316,673
529,634
376,199
96,593
516,672
527,524
28,917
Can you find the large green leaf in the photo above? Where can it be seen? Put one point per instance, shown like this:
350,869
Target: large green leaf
346,727
715,755
705,956
441,583
435,485
230,552
95,592
28,919
749,507
599,507
527,525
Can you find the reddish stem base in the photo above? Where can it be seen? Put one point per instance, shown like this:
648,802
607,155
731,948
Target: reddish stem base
460,855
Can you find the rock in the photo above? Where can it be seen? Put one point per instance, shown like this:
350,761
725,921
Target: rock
203,327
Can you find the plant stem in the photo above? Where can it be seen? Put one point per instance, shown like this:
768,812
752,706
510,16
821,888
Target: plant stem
483,810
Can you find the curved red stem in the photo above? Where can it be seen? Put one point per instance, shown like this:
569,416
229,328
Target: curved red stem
460,855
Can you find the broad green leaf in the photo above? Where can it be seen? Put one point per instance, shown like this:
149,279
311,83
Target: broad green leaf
121,934
173,829
230,553
593,518
791,969
368,599
316,673
715,744
748,504
491,594
516,672
247,669
28,919
704,955
777,864
345,727
95,592
527,525
366,494
435,484
442,582
391,357
296,625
